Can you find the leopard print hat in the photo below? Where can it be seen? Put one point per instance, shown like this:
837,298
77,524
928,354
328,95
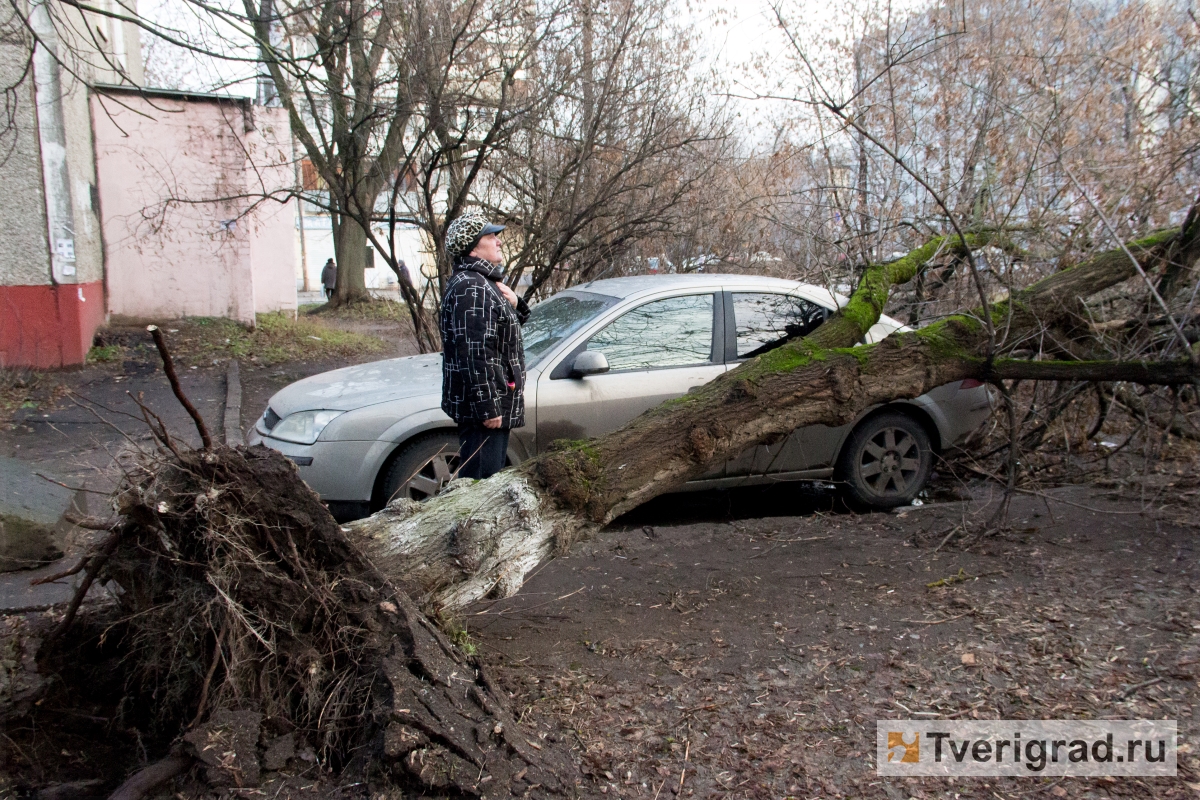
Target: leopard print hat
465,232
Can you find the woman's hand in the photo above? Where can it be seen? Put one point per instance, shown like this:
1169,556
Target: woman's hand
508,293
493,423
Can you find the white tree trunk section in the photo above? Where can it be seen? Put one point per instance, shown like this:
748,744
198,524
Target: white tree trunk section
476,539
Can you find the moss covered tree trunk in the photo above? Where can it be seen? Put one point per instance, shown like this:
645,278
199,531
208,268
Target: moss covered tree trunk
481,539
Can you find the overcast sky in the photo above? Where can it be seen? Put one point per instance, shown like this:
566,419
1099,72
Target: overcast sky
733,35
740,44
744,44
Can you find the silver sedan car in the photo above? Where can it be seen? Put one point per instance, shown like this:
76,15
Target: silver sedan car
598,355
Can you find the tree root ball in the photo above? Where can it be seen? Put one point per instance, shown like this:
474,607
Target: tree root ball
254,626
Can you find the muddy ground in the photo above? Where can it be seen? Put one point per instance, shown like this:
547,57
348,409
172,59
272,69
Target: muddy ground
744,644
75,421
742,656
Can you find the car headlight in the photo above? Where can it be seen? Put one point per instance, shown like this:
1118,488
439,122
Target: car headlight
303,427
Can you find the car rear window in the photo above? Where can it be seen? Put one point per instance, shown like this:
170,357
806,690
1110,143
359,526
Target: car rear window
767,320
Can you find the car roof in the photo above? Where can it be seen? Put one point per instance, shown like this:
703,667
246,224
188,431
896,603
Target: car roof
633,285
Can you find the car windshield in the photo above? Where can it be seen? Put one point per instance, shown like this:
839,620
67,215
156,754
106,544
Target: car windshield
553,320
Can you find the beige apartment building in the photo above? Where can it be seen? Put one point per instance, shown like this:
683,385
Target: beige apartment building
121,199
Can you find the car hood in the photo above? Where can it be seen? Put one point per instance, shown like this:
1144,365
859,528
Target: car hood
366,384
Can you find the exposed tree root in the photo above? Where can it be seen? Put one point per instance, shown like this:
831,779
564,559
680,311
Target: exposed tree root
249,618
144,781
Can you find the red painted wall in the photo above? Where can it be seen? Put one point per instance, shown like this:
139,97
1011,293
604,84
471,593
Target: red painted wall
49,326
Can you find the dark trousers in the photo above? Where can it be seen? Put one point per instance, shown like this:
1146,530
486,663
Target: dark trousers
328,292
481,451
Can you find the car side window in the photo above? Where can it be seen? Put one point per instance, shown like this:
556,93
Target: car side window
765,321
673,332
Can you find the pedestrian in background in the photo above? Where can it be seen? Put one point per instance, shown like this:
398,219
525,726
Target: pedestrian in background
483,364
329,278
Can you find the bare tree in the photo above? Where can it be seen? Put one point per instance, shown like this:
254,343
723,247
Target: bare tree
341,71
624,148
578,125
993,109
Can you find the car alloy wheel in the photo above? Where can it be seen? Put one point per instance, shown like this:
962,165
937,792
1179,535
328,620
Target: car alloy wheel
421,469
889,462
886,461
431,478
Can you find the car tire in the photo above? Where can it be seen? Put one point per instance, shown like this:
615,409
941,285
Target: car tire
421,469
885,462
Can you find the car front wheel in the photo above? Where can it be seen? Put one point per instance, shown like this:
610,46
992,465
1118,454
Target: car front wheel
422,469
886,461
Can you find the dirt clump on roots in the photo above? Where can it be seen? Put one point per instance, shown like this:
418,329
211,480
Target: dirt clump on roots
232,560
571,473
257,641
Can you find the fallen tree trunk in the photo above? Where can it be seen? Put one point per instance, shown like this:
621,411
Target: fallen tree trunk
481,539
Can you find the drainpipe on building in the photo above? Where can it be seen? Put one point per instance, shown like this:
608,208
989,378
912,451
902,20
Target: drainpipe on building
303,247
300,216
60,215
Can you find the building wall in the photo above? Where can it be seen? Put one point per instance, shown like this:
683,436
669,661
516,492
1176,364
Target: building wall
49,325
184,232
81,166
274,258
273,253
22,224
50,314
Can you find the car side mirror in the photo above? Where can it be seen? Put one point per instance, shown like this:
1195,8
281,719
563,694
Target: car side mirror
589,362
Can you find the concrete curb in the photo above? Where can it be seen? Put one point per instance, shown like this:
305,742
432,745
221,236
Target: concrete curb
233,406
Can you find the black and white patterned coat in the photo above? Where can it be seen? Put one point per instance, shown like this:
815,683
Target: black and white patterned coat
483,361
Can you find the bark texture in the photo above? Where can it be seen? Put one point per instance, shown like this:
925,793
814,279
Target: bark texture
481,539
492,533
350,244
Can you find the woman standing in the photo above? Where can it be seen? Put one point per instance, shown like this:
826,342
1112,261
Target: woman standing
483,365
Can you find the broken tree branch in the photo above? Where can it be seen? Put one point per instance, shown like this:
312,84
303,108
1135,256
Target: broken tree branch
1145,278
94,565
169,368
1168,373
151,777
